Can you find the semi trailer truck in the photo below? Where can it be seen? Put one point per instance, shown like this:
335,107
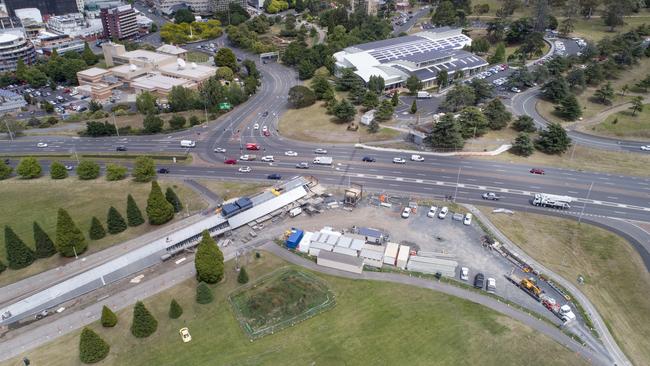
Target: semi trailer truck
552,200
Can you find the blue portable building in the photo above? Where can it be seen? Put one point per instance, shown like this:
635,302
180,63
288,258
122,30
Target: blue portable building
294,239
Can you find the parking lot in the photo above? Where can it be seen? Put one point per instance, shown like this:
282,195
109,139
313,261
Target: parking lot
64,99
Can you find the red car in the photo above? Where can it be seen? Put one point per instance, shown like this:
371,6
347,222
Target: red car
266,133
230,161
252,146
537,171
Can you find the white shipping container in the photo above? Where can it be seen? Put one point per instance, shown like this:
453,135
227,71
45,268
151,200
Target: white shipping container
403,256
390,256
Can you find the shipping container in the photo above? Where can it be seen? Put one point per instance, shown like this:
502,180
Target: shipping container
294,238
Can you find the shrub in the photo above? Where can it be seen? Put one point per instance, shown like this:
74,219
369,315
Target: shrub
115,172
109,319
58,171
144,169
203,294
29,168
243,276
92,348
5,170
87,170
144,324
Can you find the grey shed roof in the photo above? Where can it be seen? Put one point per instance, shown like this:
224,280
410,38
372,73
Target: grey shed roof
341,258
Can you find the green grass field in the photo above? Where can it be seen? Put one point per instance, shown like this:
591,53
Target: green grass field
228,190
195,56
616,280
625,124
373,323
595,29
25,201
280,300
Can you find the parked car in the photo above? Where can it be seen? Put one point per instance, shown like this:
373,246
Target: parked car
266,133
479,280
399,161
274,176
320,151
290,153
406,212
245,169
220,150
256,126
185,335
443,212
267,158
468,219
163,171
464,274
537,171
265,128
230,161
432,211
368,159
491,285
303,165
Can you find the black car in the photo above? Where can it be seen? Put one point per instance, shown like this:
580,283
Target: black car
266,113
7,161
479,280
274,176
368,159
163,170
120,148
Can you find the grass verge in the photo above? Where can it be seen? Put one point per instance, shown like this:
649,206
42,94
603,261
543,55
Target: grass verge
39,199
228,190
595,29
372,323
625,124
616,281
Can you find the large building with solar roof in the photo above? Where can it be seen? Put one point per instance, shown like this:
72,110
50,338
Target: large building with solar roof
422,54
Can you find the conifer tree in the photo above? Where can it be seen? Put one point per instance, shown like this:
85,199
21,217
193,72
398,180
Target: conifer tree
172,198
69,239
208,260
159,211
92,348
2,267
133,213
19,255
144,324
175,309
203,294
109,319
43,244
115,221
243,276
96,231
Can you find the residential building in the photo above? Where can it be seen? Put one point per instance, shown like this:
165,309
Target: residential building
61,43
70,24
222,5
10,101
29,16
119,23
422,54
49,7
12,47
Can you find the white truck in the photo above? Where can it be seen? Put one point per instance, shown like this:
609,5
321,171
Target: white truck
563,312
323,160
424,95
551,200
188,143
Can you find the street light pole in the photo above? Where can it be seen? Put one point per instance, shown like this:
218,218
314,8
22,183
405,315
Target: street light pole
457,183
11,136
585,204
115,124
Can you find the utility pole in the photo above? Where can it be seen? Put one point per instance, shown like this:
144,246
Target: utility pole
11,136
115,124
585,204
457,183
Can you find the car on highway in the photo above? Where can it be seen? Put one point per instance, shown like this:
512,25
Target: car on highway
230,161
417,158
399,161
41,145
120,148
368,159
268,158
265,114
490,196
443,212
69,167
290,153
406,212
645,147
266,133
244,169
479,280
220,150
320,151
274,176
464,274
185,335
432,211
163,171
247,157
537,171
303,165
468,219
265,128
256,126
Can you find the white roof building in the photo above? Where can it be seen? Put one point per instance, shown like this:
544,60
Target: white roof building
422,54
29,15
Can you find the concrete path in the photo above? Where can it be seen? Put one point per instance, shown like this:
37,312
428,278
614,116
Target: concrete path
608,341
206,193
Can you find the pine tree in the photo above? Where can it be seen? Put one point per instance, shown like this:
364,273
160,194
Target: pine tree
133,213
203,294
115,221
69,239
175,309
109,319
522,145
43,244
144,324
243,276
96,231
208,260
172,198
395,99
19,255
159,211
92,348
414,107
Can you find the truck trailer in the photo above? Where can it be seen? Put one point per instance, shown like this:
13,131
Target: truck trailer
551,200
323,160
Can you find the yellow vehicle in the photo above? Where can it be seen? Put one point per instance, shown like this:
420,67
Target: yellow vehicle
530,285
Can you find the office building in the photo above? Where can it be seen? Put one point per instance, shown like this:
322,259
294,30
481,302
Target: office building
12,47
119,23
422,54
69,24
222,5
49,7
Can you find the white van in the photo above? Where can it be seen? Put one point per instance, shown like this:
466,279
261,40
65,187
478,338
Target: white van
188,143
295,212
468,219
